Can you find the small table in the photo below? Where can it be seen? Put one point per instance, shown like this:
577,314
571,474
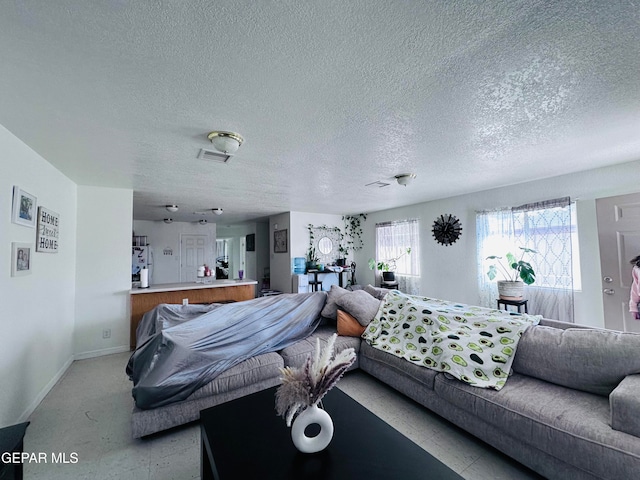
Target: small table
517,303
11,440
244,438
315,283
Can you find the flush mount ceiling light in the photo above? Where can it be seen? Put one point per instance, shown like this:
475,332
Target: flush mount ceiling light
217,211
203,221
168,220
405,178
226,142
171,208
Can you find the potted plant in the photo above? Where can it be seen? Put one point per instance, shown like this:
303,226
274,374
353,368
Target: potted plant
312,259
516,273
388,267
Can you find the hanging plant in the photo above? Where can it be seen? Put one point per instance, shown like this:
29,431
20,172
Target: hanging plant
352,237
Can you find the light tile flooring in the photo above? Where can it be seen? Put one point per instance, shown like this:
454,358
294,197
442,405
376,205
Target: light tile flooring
89,410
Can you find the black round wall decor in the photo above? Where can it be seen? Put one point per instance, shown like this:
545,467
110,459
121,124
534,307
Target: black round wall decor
446,229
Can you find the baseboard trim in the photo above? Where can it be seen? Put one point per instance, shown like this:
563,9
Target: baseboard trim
102,352
43,393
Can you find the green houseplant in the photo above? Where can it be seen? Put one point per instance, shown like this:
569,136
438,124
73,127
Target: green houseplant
351,239
388,267
515,272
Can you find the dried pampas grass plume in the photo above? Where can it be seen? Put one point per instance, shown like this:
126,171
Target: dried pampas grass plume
305,386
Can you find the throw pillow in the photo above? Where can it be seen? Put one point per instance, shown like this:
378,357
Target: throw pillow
593,361
359,304
376,292
330,309
348,326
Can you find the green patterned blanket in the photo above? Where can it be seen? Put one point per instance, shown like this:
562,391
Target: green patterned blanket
474,344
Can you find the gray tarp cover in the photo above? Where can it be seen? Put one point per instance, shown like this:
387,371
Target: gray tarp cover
182,348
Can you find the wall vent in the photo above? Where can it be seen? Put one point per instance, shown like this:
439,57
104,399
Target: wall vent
378,184
215,156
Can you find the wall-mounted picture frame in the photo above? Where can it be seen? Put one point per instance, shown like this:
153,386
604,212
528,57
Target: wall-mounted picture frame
24,210
21,257
251,242
280,241
48,232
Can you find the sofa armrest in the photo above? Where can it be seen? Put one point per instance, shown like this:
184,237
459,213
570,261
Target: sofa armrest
625,406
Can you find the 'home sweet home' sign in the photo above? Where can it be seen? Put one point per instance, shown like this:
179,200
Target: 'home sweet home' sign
48,233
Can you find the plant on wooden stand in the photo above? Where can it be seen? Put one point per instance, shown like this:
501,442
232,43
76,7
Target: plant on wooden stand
388,267
511,288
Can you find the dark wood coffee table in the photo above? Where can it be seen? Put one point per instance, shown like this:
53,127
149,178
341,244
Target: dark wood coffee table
245,438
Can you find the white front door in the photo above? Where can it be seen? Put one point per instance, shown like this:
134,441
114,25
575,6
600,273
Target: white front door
192,256
619,237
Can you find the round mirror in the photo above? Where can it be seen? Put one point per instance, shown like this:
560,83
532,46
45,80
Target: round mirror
325,246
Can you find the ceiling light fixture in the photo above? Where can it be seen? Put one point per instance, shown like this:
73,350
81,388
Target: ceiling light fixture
203,221
226,142
405,178
217,210
168,220
171,208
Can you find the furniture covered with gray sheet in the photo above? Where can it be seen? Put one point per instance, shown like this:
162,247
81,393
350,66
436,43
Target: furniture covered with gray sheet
569,409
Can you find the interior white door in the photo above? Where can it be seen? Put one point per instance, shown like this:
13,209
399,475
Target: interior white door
192,255
619,237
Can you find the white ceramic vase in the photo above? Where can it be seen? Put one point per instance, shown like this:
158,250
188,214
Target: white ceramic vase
309,416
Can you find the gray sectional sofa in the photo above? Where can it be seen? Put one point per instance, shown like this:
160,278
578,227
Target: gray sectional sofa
569,410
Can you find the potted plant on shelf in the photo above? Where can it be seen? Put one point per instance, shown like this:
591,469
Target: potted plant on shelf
388,267
516,273
312,259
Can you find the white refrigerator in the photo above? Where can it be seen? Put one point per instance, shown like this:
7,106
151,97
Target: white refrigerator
300,283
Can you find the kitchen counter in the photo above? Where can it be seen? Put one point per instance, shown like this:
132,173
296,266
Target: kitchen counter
218,291
174,287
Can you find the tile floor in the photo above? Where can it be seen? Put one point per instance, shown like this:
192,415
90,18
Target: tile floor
88,413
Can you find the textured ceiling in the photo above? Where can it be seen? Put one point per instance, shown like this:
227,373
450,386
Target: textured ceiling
329,95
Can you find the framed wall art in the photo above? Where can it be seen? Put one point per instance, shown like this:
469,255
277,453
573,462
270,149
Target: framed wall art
48,231
21,254
280,241
24,208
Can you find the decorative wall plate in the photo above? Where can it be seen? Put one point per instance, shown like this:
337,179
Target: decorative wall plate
446,229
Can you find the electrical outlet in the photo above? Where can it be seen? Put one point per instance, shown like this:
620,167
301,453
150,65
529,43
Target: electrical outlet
185,301
106,333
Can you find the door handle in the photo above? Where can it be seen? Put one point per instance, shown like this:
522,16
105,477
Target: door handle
609,291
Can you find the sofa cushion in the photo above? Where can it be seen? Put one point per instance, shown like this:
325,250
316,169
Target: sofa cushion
570,425
248,372
296,354
383,362
625,406
361,305
330,309
348,326
376,292
591,360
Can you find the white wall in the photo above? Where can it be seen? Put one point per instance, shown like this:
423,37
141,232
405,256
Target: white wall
297,243
450,272
36,340
103,273
256,261
161,236
280,263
